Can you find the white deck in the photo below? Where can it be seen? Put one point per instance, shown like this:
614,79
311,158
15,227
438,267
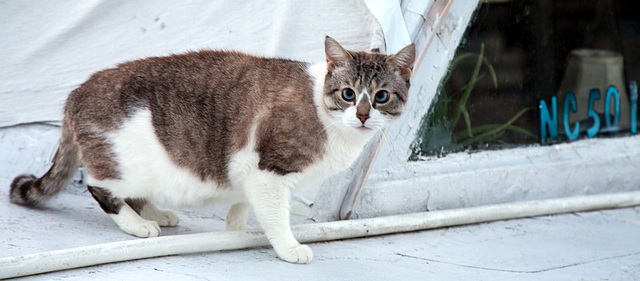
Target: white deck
600,245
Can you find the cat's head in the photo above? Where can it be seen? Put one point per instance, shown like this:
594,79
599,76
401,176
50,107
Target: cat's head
365,92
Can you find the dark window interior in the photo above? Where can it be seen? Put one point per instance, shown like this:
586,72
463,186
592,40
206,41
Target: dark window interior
515,54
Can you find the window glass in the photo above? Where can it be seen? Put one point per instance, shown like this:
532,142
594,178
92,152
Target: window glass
537,72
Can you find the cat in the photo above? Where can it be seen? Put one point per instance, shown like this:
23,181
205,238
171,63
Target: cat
220,126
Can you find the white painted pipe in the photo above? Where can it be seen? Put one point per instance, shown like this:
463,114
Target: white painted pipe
234,240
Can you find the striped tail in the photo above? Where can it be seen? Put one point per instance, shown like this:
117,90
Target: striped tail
31,191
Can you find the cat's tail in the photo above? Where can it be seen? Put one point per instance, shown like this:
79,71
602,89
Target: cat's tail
31,191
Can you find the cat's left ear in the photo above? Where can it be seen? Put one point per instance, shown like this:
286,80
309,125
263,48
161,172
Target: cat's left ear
403,60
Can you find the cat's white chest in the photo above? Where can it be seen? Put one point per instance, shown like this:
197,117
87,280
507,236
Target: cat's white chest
339,155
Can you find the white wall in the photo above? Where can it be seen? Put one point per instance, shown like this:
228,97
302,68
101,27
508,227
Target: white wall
49,47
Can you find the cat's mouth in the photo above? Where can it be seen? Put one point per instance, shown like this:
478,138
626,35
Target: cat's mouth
363,128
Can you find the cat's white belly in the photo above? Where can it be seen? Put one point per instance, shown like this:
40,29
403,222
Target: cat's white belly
146,171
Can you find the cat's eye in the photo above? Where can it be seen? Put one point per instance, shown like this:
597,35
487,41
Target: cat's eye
348,94
382,96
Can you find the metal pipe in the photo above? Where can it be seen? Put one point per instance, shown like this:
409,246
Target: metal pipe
234,240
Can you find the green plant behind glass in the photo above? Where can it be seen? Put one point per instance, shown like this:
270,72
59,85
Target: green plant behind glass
435,135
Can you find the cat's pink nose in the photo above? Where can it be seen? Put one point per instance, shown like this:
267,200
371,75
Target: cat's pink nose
363,118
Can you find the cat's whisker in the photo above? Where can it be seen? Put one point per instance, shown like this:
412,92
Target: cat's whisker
335,124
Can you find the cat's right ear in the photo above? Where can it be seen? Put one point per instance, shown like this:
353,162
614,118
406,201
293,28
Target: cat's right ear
336,55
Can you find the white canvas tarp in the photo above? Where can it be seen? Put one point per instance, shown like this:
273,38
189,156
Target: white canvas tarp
50,47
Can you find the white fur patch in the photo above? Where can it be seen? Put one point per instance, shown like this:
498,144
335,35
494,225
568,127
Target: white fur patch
146,171
362,95
376,122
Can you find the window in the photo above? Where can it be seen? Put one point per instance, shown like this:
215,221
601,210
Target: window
537,72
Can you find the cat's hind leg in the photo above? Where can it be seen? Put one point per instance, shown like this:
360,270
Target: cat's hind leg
123,215
237,217
148,210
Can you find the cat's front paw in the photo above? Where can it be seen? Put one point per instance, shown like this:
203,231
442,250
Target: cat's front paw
143,229
130,222
146,229
296,254
149,229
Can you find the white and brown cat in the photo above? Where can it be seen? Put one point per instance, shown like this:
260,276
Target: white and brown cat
215,126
